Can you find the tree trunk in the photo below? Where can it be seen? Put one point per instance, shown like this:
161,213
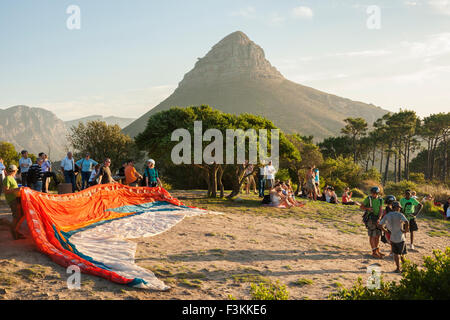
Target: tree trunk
395,168
219,180
388,159
381,162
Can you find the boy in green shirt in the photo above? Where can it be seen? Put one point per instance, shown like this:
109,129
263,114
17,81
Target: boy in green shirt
12,196
373,207
411,208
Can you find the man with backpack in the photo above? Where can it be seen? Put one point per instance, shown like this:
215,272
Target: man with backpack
411,208
373,208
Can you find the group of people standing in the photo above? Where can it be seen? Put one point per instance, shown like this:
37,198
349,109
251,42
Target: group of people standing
391,223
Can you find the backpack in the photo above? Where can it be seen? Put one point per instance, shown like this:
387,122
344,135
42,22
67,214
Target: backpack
266,199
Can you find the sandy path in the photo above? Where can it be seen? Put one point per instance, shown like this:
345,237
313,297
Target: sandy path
214,256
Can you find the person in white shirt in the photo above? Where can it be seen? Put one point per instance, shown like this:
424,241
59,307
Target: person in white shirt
68,169
24,164
270,175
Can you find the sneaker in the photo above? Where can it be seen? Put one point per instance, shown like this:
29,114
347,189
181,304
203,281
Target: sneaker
411,246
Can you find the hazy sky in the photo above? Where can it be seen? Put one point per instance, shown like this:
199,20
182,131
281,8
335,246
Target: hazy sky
129,55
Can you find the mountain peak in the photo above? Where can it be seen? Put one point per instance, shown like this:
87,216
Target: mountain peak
235,56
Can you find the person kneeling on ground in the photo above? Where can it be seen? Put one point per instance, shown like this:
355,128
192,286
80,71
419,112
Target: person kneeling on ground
397,225
347,198
12,196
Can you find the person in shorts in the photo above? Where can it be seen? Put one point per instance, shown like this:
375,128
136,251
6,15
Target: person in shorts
411,208
397,224
373,207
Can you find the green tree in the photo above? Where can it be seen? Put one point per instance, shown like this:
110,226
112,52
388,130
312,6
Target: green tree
102,141
355,128
8,153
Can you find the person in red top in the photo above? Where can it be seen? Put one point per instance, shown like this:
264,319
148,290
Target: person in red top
347,198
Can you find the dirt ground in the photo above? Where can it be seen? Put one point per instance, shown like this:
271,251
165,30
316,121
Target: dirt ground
312,250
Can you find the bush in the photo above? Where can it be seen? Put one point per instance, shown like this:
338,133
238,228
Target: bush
432,282
357,193
270,291
417,177
439,192
341,170
372,174
283,175
366,185
431,210
398,189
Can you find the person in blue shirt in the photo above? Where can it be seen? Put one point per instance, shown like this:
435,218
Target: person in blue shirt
86,164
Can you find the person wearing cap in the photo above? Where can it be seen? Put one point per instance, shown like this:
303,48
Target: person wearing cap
373,207
411,208
86,164
24,164
151,176
132,177
12,197
396,223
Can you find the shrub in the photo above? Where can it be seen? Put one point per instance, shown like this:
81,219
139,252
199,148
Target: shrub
372,174
269,291
283,175
398,189
417,177
366,185
438,191
357,193
431,210
432,282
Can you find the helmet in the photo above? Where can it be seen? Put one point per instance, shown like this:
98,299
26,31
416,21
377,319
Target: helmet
390,199
375,190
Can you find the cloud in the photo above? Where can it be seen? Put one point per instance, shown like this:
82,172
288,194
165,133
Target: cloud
363,53
440,6
434,46
303,12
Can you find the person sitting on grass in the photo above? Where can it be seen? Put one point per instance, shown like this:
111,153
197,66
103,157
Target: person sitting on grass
447,209
347,198
330,195
290,194
12,197
397,224
278,199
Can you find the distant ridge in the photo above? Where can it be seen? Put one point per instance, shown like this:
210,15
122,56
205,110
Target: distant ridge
235,77
121,122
